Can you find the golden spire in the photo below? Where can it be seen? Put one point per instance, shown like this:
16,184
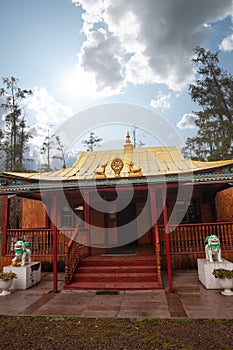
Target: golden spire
128,145
127,140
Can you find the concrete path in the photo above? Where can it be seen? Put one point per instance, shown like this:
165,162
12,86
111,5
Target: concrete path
190,299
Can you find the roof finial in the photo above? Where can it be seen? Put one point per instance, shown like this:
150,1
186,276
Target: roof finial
128,145
127,140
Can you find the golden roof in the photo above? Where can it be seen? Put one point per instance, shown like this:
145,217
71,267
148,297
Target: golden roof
124,163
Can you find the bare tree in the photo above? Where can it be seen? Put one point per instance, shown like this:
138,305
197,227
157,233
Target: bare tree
92,142
51,144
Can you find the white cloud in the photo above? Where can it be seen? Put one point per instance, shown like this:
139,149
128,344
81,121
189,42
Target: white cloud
46,112
2,113
187,121
72,156
45,108
84,84
39,133
101,54
138,70
227,43
138,42
162,101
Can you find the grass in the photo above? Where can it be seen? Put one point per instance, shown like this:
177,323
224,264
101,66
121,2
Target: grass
38,332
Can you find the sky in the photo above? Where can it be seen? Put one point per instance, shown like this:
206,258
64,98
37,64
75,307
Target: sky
78,54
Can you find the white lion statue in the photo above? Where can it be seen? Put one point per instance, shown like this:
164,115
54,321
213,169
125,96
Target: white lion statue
21,251
213,249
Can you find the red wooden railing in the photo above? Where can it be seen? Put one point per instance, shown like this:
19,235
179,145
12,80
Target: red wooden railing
183,238
71,243
75,251
190,238
186,241
41,240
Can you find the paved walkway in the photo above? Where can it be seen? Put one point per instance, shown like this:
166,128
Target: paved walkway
190,299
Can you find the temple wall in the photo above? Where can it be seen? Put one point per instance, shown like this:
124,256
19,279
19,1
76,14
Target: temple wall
224,205
206,212
33,214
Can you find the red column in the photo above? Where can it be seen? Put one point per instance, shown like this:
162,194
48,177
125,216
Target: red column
168,253
87,219
54,227
5,217
155,234
47,221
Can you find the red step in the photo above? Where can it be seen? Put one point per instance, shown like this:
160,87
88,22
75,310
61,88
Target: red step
116,273
94,261
114,277
116,269
113,286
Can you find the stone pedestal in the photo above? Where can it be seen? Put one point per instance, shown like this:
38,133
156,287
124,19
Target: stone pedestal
28,275
205,270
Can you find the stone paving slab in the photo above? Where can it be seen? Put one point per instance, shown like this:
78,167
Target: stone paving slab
190,299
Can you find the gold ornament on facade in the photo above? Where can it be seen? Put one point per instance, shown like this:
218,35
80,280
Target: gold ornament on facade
117,165
134,170
100,173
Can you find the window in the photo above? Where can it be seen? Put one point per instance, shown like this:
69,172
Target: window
187,212
181,211
72,217
79,216
67,216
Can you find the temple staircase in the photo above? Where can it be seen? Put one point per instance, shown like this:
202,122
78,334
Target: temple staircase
129,272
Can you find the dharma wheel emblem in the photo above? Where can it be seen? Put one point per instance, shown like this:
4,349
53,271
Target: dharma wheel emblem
117,165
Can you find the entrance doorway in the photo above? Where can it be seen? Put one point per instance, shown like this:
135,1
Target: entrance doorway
127,225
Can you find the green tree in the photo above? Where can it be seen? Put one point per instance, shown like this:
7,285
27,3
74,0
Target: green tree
213,91
14,136
92,142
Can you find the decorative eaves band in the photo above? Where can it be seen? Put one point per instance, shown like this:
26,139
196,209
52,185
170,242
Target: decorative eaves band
185,179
